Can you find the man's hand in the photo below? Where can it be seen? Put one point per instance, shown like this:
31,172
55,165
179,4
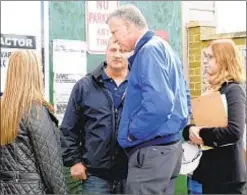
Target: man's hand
194,135
78,171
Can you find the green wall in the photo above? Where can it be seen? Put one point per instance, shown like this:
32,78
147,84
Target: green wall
67,21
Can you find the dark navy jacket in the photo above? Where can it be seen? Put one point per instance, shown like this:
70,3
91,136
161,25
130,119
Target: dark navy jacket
90,128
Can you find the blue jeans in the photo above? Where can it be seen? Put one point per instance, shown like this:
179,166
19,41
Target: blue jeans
194,187
96,185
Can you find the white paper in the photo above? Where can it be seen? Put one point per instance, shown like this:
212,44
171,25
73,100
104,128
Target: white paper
69,56
69,65
60,110
63,85
223,97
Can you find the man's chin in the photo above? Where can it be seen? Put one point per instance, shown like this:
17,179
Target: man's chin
117,67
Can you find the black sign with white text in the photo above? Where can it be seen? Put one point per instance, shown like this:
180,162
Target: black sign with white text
18,41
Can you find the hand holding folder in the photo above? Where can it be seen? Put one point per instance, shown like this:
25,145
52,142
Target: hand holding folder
210,111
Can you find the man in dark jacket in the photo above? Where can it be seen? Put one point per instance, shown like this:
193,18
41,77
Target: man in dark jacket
90,126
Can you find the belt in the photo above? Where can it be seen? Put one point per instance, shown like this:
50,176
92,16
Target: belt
17,175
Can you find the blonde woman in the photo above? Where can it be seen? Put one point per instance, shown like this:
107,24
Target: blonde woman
222,169
30,161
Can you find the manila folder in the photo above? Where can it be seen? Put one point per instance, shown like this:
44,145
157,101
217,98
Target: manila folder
209,110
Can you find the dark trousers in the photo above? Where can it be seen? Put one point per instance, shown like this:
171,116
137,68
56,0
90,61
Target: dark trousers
96,185
227,188
153,169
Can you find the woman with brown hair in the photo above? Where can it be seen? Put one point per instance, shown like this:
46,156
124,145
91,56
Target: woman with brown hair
222,170
30,156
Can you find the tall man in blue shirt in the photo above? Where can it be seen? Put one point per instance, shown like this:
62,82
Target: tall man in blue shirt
90,126
155,108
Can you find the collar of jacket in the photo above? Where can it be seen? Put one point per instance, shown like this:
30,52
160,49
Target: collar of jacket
97,73
146,37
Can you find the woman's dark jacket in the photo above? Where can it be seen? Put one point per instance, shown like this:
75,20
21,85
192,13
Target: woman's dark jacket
224,164
32,164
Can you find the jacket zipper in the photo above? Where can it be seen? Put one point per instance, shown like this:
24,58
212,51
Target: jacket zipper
114,124
118,119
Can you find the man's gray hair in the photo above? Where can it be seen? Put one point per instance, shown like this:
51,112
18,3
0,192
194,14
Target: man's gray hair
131,14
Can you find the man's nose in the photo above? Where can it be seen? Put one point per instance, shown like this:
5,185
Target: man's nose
118,54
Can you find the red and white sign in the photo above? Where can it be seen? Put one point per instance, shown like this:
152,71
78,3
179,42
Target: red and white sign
97,31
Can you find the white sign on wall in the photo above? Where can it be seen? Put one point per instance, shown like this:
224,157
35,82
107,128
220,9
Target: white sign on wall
69,56
69,65
97,31
63,85
9,44
24,18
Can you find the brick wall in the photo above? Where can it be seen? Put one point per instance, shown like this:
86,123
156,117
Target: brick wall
200,35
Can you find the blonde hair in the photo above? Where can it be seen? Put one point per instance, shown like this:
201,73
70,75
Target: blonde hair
228,59
24,88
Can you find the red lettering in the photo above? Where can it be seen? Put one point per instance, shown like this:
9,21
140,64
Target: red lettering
106,4
90,17
99,4
99,31
103,32
101,42
102,4
98,18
